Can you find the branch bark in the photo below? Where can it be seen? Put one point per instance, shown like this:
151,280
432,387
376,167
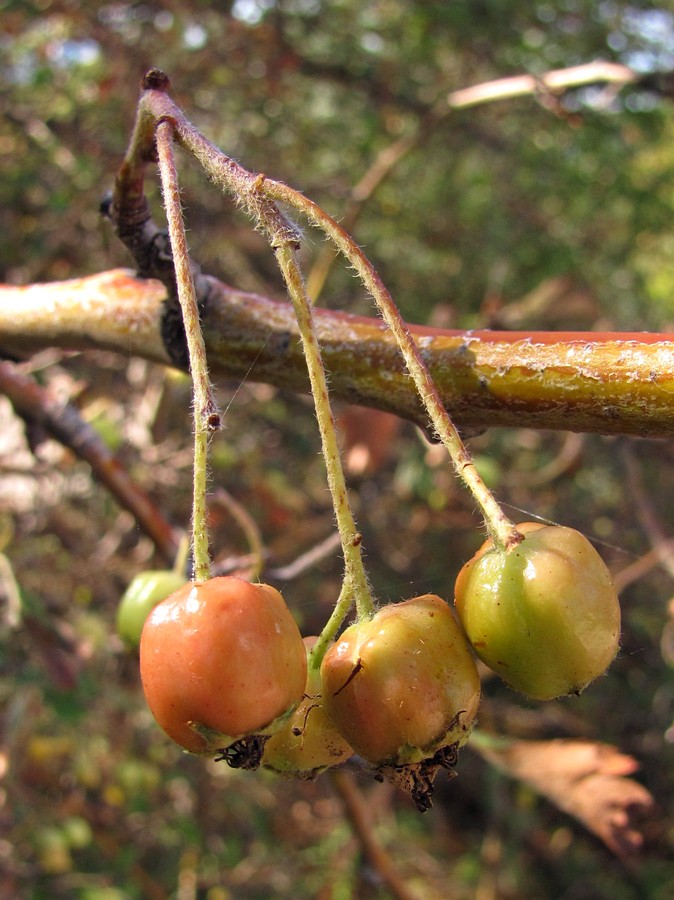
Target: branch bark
610,383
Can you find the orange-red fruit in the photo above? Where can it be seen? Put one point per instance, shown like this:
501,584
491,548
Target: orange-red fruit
403,684
308,741
225,655
544,614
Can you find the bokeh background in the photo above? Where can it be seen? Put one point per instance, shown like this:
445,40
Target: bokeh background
526,214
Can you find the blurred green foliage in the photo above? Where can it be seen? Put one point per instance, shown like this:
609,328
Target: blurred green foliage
486,207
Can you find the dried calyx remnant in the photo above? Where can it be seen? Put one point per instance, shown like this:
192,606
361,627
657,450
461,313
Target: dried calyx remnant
156,80
245,753
418,779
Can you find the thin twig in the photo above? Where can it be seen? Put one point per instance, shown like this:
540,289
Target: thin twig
382,166
64,423
553,83
357,812
648,518
255,558
556,81
308,559
663,550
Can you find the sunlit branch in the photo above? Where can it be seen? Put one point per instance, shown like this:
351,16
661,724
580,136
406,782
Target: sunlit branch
605,382
555,82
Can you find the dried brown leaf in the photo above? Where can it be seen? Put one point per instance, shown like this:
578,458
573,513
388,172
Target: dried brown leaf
585,779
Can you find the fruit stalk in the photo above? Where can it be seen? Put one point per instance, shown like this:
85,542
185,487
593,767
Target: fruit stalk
259,194
206,417
355,584
251,192
501,529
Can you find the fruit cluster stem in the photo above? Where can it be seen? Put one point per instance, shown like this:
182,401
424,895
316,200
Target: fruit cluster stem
355,585
501,529
206,417
258,194
250,191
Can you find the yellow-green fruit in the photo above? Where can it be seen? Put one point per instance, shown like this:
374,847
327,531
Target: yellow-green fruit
404,684
144,592
544,615
308,741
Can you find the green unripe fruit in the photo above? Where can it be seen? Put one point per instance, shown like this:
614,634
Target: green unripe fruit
544,615
145,591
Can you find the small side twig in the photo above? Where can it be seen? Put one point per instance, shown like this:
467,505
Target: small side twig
648,518
550,86
357,812
63,422
308,559
641,567
255,558
556,81
384,163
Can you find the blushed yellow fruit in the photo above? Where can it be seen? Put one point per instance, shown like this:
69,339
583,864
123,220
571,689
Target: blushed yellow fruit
404,684
145,591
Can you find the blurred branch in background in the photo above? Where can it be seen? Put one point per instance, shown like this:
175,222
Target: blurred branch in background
62,421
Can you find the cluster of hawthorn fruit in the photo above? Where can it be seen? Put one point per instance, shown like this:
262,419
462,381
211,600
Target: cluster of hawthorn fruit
224,667
227,674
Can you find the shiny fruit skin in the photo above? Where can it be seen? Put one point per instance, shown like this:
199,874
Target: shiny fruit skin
544,615
308,741
403,684
145,591
222,654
